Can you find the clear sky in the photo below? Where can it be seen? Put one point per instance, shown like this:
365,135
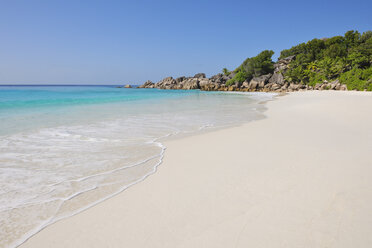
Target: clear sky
120,42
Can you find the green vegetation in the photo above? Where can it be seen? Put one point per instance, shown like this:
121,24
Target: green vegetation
347,58
240,77
225,71
358,79
253,67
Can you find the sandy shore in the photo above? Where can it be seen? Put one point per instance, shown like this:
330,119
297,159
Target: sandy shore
300,178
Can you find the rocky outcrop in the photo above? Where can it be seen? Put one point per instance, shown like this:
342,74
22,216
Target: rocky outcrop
256,83
199,81
265,83
277,79
200,75
128,86
167,83
334,85
190,84
147,84
174,84
216,82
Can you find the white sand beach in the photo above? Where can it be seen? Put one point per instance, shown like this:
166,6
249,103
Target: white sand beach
302,177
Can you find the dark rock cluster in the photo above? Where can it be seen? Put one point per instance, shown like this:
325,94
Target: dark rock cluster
274,82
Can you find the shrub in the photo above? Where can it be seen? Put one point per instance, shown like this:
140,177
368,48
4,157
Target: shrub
260,65
225,71
240,77
357,79
347,57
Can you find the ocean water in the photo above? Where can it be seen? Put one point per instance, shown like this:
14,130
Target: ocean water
64,149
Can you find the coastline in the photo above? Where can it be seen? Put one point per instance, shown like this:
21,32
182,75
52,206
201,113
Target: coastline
152,125
300,177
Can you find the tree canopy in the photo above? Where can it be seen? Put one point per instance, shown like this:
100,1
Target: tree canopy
254,67
347,58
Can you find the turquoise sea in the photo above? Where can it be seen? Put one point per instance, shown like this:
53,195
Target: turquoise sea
66,148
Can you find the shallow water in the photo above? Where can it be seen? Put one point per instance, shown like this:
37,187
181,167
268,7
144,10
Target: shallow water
64,149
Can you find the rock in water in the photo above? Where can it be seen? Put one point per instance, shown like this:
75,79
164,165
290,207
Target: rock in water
147,84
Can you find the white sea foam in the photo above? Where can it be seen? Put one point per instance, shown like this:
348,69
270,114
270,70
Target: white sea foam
50,173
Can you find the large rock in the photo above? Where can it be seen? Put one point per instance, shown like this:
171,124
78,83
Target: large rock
219,79
335,85
279,68
147,84
190,84
167,83
200,75
293,87
282,64
287,60
317,86
277,78
180,79
253,85
261,81
275,87
245,84
204,81
210,85
285,87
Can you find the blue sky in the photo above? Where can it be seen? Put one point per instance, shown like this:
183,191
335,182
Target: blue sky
120,42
